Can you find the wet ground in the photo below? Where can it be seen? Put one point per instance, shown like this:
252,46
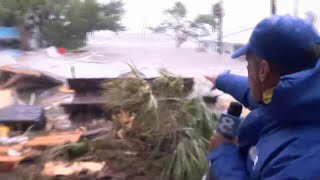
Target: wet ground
108,55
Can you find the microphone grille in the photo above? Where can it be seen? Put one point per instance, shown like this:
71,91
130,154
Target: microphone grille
235,109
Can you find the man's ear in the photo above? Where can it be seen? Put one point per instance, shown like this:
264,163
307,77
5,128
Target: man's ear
264,71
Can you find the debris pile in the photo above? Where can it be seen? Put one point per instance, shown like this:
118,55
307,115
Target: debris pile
158,127
88,102
131,127
15,149
19,88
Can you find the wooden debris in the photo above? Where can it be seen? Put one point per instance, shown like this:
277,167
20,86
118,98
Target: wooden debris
10,159
24,71
9,162
65,90
24,78
58,168
55,139
12,81
5,149
88,99
4,130
6,96
94,133
10,156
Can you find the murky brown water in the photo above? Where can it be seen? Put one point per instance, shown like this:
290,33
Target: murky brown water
157,51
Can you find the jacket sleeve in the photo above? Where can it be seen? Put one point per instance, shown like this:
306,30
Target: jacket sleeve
227,163
238,87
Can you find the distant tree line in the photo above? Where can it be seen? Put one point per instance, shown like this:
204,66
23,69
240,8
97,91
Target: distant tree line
180,28
64,23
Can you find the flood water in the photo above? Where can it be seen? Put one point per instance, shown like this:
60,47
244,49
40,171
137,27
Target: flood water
159,51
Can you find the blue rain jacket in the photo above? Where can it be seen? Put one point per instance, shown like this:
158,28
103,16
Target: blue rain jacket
277,141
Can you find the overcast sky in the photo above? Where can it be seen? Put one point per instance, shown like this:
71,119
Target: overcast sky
239,14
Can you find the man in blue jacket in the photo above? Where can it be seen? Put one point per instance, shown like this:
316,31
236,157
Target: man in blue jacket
280,138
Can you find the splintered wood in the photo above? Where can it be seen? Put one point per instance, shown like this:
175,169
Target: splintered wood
55,139
5,158
21,77
10,159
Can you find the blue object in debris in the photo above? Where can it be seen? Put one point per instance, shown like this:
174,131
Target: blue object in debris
9,33
13,52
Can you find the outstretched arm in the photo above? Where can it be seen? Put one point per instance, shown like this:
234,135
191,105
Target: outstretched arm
238,87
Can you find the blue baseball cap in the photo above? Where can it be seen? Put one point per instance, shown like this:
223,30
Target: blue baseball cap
283,40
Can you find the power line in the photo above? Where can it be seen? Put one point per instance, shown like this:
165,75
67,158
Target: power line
237,32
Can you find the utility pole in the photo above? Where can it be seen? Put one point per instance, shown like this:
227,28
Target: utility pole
218,14
295,8
273,5
144,26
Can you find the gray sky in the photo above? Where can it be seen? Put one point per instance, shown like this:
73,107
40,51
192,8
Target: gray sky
239,14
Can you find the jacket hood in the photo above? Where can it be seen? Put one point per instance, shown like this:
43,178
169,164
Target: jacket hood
296,98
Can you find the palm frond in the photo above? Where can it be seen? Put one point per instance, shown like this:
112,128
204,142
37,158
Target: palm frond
175,128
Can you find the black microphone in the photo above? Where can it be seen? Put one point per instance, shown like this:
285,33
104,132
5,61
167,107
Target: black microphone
229,122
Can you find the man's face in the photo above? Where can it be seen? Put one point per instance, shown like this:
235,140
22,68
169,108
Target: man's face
255,83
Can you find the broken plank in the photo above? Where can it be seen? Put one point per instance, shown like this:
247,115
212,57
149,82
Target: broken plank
10,159
55,139
94,133
23,77
12,69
